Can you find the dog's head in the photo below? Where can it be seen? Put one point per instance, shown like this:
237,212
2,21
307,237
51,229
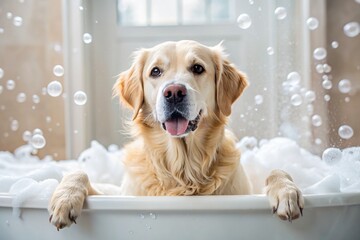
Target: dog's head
177,84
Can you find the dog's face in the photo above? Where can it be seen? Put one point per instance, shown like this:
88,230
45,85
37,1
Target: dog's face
177,84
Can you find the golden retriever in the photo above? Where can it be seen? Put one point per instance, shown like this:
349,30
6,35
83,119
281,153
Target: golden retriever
181,95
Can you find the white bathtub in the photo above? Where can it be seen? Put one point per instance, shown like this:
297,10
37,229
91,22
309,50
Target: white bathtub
330,216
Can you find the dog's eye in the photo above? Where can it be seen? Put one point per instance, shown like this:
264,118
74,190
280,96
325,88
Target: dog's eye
197,69
155,72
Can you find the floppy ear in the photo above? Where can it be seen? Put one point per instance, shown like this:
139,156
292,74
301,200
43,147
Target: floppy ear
129,86
230,82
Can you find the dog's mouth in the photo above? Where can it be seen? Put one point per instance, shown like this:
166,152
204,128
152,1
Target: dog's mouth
177,125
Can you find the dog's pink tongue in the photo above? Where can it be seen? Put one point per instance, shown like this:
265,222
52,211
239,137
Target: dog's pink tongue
177,126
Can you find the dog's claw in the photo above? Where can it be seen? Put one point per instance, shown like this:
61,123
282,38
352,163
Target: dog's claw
50,218
301,211
274,209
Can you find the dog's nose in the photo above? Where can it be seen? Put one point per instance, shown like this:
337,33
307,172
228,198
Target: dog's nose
175,93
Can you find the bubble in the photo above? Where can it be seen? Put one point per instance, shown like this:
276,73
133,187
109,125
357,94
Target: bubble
296,100
87,38
81,8
352,29
37,131
9,15
244,21
36,99
38,141
270,51
17,21
259,99
310,96
319,68
80,98
327,84
58,70
332,156
294,78
48,119
14,125
21,97
280,13
57,47
1,73
10,84
54,88
345,132
327,68
316,120
310,109
319,53
318,141
26,136
327,97
153,216
344,86
334,44
312,23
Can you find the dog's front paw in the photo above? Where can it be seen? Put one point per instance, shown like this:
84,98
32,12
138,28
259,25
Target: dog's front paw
285,197
67,201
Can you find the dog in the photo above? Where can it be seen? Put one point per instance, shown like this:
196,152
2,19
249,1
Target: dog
181,95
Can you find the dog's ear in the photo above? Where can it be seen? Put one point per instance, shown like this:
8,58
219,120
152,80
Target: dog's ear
129,86
230,82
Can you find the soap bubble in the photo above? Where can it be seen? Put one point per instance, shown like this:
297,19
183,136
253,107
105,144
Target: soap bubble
312,23
48,119
17,21
58,70
37,131
334,44
259,99
352,29
14,125
327,84
294,78
327,97
310,109
327,68
332,156
280,13
296,100
54,88
10,84
310,96
36,99
244,21
316,120
21,97
87,38
345,132
320,53
9,15
318,141
38,141
80,98
319,68
1,73
344,86
270,50
26,136
347,99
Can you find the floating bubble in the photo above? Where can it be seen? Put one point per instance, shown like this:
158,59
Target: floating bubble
296,100
352,29
344,86
310,96
244,21
10,84
21,97
270,50
312,23
14,125
80,98
54,88
26,136
310,109
280,13
347,99
153,216
17,21
259,99
332,156
58,70
319,53
318,141
37,131
334,44
9,15
87,38
316,120
327,68
38,141
327,84
48,119
36,99
327,97
319,68
57,47
1,73
345,132
294,78
81,8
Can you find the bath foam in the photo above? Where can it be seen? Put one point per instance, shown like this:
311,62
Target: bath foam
27,177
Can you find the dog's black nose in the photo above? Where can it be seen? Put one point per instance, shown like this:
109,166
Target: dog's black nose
175,93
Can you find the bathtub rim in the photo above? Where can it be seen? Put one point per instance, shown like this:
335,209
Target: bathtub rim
209,203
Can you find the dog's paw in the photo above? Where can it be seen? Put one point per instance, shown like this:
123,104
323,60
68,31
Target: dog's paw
285,197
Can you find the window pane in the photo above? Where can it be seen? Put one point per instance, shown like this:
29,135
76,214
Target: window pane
220,10
164,12
194,11
132,13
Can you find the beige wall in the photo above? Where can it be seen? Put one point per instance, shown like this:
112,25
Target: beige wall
27,56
